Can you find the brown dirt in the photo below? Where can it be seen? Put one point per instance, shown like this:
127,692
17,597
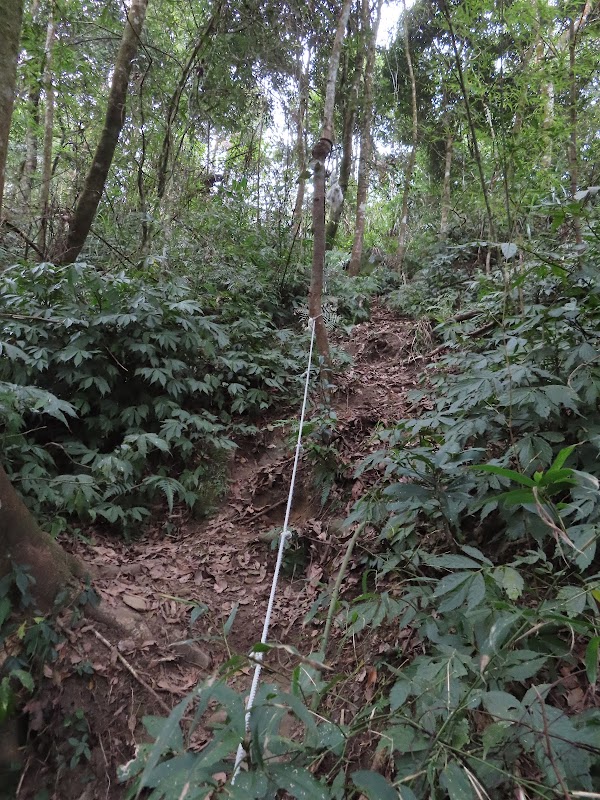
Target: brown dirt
223,565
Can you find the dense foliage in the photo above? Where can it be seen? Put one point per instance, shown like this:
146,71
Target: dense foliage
128,376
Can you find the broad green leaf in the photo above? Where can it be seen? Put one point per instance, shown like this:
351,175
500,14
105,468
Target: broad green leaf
451,582
502,706
25,678
509,249
476,593
451,562
562,456
170,733
475,553
373,785
572,599
591,660
494,735
510,580
456,783
511,474
299,782
399,693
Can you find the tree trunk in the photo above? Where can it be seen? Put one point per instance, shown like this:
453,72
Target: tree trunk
347,139
173,109
48,134
410,167
22,541
31,146
113,124
320,154
446,189
465,95
11,14
572,146
303,85
365,139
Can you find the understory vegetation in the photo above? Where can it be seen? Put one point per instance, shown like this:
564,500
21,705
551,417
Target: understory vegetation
482,520
186,195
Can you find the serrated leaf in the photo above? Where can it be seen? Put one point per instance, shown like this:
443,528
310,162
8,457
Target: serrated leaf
373,785
494,735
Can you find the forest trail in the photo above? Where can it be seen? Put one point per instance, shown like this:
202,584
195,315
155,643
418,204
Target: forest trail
220,570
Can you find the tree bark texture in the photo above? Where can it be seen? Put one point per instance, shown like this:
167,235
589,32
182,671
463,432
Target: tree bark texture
320,154
11,14
30,163
365,138
93,189
23,542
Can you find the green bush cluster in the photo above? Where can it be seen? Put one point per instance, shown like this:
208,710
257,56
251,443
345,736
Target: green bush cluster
487,511
116,389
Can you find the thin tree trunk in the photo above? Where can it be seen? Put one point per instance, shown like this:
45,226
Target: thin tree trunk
11,14
320,154
572,147
48,133
447,187
347,141
300,147
410,167
465,94
31,146
93,189
173,109
365,139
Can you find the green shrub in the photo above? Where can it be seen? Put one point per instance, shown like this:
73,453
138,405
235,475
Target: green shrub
114,389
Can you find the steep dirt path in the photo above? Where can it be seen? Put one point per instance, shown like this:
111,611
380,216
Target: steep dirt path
220,572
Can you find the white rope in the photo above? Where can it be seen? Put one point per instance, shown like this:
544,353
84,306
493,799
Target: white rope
241,752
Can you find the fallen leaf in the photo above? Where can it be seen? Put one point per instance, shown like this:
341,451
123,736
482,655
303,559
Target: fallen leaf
135,602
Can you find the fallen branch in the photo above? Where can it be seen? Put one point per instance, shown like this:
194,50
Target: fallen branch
131,670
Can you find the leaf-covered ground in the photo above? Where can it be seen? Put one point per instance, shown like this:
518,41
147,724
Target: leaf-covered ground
198,590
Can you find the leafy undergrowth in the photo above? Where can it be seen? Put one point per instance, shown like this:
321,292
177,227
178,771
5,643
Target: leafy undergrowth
116,390
474,622
460,657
